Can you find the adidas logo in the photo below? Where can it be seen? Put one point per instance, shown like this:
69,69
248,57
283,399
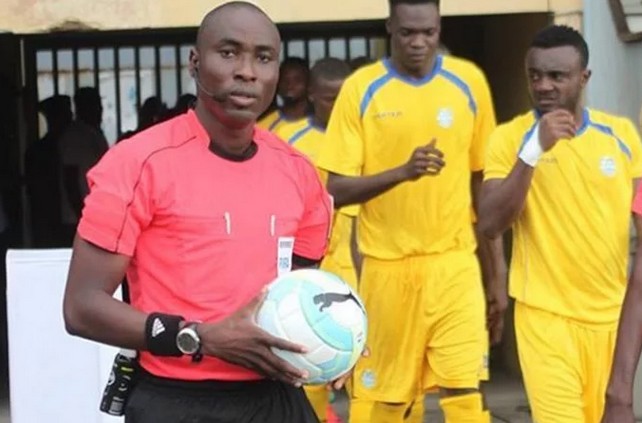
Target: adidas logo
157,328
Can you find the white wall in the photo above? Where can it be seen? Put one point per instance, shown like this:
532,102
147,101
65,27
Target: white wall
616,84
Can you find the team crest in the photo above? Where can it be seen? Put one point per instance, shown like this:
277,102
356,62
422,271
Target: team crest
368,379
445,117
608,166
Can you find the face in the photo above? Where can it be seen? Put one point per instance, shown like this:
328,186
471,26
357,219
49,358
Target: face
323,94
414,35
293,84
555,78
235,64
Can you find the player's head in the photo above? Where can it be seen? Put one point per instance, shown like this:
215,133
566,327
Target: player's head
57,112
326,78
414,27
557,68
236,63
293,80
88,105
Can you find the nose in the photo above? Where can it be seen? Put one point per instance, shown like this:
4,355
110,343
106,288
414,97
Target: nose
418,42
245,68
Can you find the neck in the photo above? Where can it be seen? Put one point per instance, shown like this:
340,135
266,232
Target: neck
296,110
579,115
233,141
318,122
413,73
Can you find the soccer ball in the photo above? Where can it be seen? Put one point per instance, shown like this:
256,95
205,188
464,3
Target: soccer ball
318,310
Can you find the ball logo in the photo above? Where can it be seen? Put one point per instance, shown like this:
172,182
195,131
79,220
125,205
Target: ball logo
445,117
327,299
608,166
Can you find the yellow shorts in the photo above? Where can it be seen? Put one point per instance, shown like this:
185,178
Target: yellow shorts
346,273
427,326
565,365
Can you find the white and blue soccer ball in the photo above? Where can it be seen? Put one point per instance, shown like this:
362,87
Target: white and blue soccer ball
320,311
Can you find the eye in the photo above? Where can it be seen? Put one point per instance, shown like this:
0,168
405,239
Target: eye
227,53
404,33
264,58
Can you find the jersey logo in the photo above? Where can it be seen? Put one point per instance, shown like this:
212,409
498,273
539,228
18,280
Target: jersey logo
326,300
608,166
368,379
386,115
445,117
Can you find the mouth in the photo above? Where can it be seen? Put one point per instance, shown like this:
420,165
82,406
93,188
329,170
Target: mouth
242,99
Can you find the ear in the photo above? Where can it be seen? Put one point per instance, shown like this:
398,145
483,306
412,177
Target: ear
193,62
586,75
389,26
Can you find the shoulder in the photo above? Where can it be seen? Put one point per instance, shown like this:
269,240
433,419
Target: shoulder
153,142
462,68
289,129
282,152
517,127
608,121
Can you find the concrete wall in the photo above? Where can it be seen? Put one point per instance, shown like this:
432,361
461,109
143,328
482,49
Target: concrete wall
26,16
616,84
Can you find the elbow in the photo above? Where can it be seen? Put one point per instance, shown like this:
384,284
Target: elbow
338,199
73,317
488,228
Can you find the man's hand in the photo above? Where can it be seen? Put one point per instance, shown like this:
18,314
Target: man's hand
496,305
340,382
425,160
554,126
238,340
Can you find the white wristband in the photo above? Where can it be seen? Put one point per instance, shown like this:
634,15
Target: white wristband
532,150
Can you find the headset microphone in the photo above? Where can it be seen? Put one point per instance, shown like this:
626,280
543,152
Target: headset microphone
210,94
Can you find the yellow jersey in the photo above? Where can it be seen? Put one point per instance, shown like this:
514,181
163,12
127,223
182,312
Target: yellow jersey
571,241
307,138
273,121
379,119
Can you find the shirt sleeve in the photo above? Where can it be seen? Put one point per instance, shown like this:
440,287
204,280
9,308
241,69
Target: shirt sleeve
637,201
313,233
120,202
485,122
632,140
501,154
342,150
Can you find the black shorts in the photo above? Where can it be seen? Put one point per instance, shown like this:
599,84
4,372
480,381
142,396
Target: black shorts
159,400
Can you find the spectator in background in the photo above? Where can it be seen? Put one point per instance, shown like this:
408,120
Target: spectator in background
152,111
294,77
81,146
42,169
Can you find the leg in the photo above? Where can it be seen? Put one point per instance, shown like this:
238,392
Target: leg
597,356
319,398
550,363
392,294
458,338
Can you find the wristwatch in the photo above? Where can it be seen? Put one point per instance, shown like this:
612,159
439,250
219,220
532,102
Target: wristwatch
187,340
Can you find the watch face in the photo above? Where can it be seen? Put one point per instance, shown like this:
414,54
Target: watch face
187,342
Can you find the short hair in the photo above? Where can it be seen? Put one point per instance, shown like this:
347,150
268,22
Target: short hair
561,36
295,62
330,69
236,4
86,97
394,3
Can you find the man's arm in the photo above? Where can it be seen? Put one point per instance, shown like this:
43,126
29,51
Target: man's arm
348,190
493,266
619,393
502,200
90,311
